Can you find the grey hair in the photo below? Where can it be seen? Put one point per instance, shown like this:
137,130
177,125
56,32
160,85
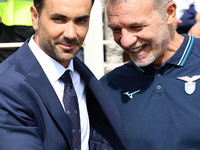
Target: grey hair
156,2
160,5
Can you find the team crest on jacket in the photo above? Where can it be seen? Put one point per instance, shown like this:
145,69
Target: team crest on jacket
190,85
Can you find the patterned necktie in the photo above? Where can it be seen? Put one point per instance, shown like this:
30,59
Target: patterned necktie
72,110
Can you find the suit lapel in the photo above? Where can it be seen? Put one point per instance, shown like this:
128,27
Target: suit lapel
35,76
103,98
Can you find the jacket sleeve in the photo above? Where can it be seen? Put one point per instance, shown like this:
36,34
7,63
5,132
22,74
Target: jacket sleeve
18,131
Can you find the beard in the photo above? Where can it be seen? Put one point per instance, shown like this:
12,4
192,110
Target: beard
49,46
159,46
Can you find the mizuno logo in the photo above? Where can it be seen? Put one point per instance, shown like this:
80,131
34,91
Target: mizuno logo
130,95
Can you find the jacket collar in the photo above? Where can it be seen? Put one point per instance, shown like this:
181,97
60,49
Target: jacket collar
36,77
28,65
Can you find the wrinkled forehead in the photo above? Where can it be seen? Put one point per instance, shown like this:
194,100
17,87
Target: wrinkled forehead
128,13
119,1
133,6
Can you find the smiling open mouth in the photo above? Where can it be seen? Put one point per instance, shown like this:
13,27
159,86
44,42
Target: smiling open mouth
138,49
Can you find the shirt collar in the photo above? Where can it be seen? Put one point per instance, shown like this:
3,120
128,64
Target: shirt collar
52,68
182,54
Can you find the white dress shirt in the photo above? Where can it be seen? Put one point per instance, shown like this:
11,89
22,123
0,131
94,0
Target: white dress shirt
54,71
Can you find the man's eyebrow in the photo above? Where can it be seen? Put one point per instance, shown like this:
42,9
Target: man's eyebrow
136,24
63,16
58,15
84,17
132,24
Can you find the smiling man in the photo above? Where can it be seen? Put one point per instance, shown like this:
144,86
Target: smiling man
48,97
157,93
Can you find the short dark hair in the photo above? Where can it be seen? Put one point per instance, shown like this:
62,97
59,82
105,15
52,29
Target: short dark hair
39,5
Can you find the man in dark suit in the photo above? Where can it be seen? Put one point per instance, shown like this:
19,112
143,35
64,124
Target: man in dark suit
33,114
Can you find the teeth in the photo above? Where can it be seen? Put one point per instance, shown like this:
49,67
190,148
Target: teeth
137,49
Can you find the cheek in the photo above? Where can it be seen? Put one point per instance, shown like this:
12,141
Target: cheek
54,32
81,33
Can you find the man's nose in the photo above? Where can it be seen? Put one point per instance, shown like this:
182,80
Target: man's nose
128,38
70,31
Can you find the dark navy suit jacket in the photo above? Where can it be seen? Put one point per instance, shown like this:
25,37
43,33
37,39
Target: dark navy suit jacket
31,116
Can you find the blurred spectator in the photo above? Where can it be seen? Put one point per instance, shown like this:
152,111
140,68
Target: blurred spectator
16,24
188,17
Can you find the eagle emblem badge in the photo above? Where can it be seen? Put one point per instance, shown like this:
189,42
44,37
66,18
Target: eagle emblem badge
190,85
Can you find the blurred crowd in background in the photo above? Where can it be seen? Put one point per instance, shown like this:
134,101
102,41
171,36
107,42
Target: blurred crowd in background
16,26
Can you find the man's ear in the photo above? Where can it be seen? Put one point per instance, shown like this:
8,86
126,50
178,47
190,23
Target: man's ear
170,14
35,17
